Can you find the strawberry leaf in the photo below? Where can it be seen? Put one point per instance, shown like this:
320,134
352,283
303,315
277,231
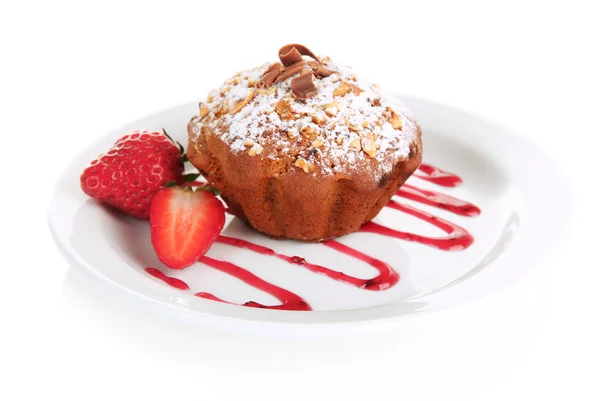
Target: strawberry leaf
167,135
170,184
181,148
191,177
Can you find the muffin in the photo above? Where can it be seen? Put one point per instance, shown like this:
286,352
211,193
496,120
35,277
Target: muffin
302,148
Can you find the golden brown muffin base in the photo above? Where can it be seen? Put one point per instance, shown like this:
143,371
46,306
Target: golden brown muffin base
289,203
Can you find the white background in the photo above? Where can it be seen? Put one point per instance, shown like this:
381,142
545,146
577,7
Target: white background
72,70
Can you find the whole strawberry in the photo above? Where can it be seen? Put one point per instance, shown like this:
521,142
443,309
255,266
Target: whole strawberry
129,174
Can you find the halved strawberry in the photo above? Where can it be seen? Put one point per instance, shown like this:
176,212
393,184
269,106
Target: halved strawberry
184,224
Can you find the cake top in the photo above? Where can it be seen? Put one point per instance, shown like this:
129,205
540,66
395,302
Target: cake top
317,116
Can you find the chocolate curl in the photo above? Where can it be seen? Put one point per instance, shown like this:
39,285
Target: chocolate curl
303,86
269,76
291,54
273,67
289,71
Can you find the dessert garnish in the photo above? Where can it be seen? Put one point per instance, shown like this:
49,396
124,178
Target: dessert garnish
292,53
129,174
291,64
270,75
303,86
184,223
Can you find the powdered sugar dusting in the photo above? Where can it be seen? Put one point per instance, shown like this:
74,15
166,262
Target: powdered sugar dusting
346,125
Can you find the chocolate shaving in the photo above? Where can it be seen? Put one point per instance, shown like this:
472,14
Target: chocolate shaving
303,86
291,54
289,71
273,67
269,76
291,64
268,79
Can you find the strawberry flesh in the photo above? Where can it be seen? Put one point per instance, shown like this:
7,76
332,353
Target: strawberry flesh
184,224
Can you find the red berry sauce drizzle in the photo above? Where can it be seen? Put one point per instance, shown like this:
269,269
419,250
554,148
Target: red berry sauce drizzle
172,281
457,239
438,176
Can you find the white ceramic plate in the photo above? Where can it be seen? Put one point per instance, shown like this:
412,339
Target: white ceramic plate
524,213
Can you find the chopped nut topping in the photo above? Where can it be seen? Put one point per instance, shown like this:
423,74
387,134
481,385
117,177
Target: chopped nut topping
203,110
342,90
268,91
394,119
355,89
284,109
317,143
319,70
332,108
368,144
224,108
219,112
255,150
319,119
356,144
309,133
346,87
355,127
209,99
342,119
304,165
242,103
331,111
